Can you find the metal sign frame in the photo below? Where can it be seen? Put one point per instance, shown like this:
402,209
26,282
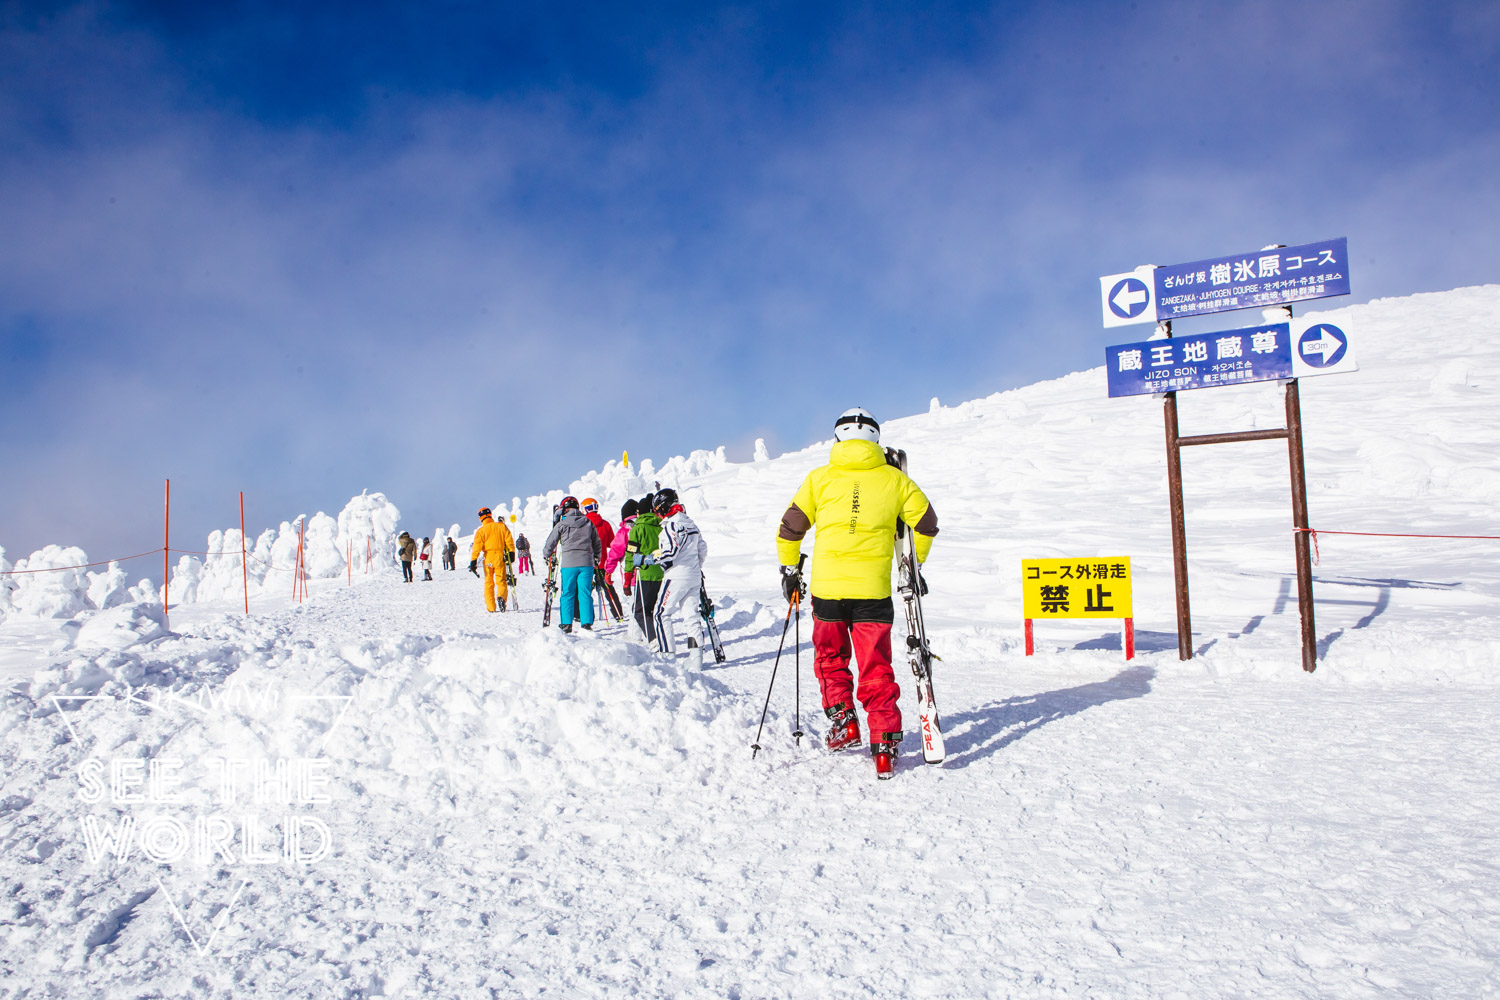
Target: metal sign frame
1302,543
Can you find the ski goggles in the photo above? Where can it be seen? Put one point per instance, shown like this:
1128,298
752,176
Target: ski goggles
591,508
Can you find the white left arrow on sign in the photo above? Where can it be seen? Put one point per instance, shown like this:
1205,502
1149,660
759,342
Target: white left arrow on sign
1133,301
1127,298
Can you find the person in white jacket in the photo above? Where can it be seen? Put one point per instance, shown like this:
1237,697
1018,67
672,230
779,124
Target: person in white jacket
681,552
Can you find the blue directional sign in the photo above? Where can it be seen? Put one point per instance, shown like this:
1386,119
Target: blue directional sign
1323,345
1247,280
1129,298
1201,361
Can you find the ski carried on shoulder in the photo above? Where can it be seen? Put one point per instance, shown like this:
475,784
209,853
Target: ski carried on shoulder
706,608
911,586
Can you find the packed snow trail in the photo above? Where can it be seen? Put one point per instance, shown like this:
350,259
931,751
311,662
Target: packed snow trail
598,828
515,813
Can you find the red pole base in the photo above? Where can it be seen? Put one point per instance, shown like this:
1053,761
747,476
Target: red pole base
1030,645
1130,638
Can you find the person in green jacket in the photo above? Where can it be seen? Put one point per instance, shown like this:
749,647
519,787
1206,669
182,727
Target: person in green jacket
639,558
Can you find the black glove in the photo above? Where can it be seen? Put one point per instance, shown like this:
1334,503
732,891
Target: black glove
791,583
474,566
904,582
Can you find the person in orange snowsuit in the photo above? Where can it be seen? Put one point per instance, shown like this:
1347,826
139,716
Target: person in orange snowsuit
494,541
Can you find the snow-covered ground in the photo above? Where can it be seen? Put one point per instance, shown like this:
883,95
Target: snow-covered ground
506,812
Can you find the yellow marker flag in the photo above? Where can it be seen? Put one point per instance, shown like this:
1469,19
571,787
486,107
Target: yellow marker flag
513,519
625,458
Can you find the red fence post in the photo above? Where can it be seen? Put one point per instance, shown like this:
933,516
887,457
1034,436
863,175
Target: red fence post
1130,638
244,565
302,558
166,552
1030,648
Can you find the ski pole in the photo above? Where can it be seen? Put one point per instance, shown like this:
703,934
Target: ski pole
755,747
797,658
795,602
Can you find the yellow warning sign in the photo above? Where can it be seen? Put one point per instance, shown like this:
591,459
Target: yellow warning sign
1095,587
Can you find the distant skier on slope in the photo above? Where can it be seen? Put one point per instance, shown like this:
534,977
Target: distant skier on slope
493,541
639,546
425,558
576,543
681,551
450,553
854,502
523,555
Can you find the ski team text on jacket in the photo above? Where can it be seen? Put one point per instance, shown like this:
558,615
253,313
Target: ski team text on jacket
854,502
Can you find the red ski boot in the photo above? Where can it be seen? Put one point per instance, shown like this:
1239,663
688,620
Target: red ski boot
885,750
843,728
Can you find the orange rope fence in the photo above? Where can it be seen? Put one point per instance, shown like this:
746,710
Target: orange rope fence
88,565
1315,532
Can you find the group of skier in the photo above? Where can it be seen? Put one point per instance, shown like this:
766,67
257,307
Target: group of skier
858,506
660,552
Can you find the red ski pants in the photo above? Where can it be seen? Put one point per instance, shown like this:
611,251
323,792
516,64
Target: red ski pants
870,642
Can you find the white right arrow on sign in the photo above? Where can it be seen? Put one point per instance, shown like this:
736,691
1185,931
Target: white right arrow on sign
1321,347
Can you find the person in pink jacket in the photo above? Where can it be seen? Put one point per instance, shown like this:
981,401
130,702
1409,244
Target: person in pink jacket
616,551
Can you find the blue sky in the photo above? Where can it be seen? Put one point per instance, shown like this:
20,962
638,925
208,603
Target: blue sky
459,252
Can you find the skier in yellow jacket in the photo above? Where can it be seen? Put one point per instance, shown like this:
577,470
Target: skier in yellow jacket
853,503
493,539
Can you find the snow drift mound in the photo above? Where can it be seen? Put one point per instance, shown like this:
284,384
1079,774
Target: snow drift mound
540,712
432,722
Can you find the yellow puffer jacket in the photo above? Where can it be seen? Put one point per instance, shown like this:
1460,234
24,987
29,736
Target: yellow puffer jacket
854,502
493,539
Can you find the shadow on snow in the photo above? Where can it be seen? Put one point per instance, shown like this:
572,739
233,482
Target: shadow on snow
974,735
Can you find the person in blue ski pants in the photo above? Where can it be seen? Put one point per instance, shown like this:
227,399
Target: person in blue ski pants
577,590
577,546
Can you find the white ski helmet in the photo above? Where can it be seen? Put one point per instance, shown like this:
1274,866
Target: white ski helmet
856,423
